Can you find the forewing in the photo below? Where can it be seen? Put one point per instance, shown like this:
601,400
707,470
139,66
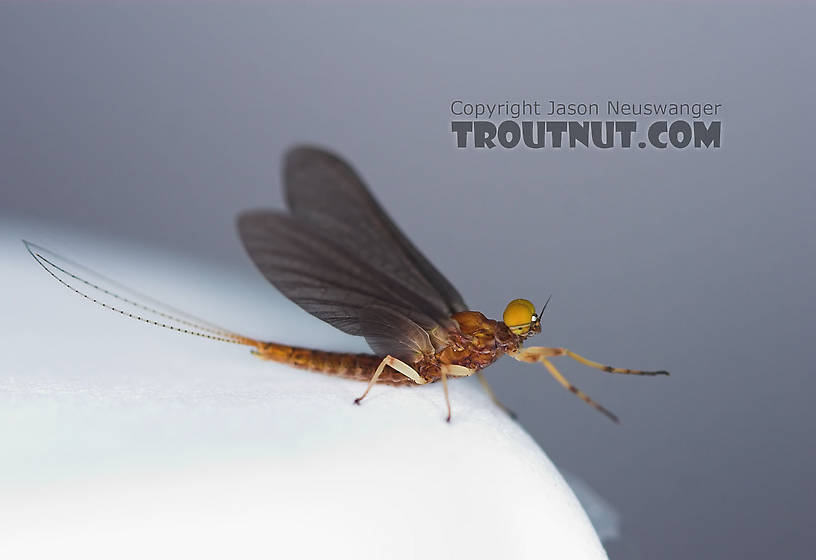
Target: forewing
323,276
324,190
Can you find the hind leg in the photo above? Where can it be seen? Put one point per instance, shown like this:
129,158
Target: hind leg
493,397
397,365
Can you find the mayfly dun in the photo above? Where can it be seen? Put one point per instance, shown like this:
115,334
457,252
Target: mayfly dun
339,256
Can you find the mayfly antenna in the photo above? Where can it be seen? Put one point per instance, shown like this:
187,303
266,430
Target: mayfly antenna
545,306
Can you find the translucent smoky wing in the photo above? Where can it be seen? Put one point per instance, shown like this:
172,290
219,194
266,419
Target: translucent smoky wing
341,258
324,190
332,281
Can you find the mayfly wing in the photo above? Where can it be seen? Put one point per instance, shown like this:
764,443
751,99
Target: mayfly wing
324,190
333,282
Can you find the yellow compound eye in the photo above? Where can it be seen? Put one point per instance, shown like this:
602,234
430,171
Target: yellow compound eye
518,315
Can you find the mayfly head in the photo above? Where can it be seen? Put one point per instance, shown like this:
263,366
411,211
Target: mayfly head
521,318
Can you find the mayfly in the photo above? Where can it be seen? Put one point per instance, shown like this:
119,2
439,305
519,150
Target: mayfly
339,256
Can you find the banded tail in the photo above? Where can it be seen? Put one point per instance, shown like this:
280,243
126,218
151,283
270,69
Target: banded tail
101,290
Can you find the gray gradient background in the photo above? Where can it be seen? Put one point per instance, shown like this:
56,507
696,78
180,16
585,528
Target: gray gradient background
159,124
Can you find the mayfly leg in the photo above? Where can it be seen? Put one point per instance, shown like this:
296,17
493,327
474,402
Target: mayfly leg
492,395
539,354
395,364
552,352
580,394
447,396
454,371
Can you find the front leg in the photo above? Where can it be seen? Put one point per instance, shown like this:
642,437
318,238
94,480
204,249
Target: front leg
552,352
540,354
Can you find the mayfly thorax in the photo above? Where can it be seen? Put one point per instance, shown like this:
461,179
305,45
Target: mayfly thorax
339,256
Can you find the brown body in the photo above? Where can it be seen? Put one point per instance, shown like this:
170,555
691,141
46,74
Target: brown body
350,366
473,345
477,343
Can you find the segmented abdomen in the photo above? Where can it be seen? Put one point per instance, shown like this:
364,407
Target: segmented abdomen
350,366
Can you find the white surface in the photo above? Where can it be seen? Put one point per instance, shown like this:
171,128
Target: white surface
123,440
